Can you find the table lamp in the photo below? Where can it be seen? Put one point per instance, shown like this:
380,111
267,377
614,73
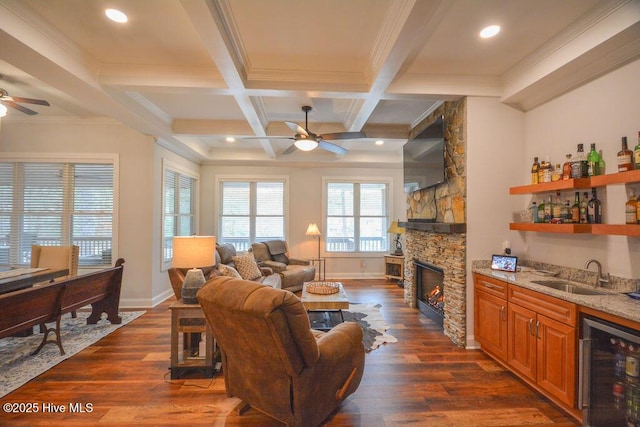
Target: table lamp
193,252
313,231
397,230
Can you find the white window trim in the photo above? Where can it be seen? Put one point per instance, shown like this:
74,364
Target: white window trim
175,167
359,180
251,178
106,158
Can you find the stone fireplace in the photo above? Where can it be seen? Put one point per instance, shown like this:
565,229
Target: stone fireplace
436,228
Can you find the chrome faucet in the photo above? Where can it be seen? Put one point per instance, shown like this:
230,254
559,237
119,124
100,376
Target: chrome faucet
602,279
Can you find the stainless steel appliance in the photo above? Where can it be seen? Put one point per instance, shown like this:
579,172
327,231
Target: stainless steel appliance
609,389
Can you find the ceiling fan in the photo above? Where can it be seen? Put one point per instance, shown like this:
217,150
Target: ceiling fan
306,140
12,101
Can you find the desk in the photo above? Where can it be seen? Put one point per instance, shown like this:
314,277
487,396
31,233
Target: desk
22,281
187,321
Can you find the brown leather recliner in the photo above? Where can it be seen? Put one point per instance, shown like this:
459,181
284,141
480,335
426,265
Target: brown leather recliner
271,358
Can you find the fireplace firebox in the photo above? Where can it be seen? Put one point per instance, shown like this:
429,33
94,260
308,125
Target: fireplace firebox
430,290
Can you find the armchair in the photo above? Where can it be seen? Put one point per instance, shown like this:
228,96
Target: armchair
293,271
271,358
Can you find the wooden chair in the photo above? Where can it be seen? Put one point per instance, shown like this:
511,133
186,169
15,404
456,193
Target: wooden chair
56,257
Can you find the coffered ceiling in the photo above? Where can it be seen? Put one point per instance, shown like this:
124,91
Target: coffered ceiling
194,72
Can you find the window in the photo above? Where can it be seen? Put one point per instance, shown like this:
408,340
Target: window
357,219
179,209
251,211
51,204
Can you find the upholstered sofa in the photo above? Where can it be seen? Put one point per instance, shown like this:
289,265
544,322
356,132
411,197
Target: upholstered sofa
225,266
272,360
275,255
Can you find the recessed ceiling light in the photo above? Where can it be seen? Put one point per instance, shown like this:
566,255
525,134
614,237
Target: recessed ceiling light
116,15
230,139
489,31
379,142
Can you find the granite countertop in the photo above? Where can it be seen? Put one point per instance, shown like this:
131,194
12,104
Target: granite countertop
611,302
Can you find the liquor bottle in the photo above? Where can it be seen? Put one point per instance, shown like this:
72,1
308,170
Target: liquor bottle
541,211
535,168
631,209
594,209
556,174
579,167
556,210
636,154
548,210
546,170
602,168
534,211
624,157
565,214
593,162
575,209
566,167
584,205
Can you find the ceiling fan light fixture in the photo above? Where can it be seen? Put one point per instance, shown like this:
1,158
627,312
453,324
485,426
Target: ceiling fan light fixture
116,15
3,110
306,144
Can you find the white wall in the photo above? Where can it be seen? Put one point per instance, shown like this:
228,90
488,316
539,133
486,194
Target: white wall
305,206
601,111
135,193
495,146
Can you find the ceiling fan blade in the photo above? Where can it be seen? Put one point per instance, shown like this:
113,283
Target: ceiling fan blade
297,128
30,101
290,150
332,147
267,137
18,107
342,135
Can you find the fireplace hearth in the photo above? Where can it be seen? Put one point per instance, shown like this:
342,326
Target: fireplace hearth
430,299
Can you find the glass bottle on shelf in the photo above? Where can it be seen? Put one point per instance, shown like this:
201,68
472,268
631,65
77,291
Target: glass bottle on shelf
535,169
556,174
624,157
566,168
541,211
575,209
584,204
579,167
547,170
593,161
636,154
534,211
557,210
631,209
594,209
548,210
565,214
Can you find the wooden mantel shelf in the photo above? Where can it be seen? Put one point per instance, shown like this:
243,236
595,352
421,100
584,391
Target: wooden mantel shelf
435,227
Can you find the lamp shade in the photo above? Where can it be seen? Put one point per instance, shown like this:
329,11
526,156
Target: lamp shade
312,230
395,228
194,251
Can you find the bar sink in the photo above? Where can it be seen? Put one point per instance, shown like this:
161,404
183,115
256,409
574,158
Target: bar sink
567,287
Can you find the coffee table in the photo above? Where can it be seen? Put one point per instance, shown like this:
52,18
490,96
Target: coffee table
325,311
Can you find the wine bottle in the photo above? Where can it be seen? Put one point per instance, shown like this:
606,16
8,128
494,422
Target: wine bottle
624,157
535,169
594,209
631,209
593,162
575,209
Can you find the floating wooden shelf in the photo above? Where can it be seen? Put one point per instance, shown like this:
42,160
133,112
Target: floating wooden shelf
551,228
616,229
547,187
616,178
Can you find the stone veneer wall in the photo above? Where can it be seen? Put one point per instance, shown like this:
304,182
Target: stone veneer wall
446,203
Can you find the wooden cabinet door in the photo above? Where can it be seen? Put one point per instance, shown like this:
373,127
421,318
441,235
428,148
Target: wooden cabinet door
491,323
556,359
522,340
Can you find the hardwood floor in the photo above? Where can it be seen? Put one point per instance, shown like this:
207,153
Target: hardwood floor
421,380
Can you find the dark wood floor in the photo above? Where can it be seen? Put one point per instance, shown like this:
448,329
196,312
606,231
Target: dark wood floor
421,380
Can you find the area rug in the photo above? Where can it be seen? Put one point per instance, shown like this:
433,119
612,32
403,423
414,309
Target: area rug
17,364
374,327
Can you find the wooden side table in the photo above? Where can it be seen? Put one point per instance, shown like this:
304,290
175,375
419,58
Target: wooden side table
394,268
188,328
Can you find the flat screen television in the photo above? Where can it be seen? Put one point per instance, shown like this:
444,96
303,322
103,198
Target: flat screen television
423,158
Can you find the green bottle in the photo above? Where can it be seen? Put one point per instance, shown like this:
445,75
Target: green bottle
593,161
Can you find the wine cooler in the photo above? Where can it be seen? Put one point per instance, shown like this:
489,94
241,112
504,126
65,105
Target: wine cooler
609,389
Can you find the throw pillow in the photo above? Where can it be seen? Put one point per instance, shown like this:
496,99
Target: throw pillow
225,270
247,266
